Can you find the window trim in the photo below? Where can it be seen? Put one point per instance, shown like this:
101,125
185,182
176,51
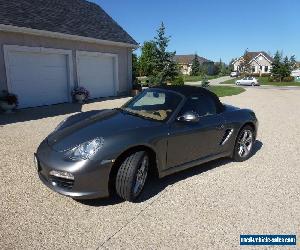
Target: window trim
266,67
175,112
205,96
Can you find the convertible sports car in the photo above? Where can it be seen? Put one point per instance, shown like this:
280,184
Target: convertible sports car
162,130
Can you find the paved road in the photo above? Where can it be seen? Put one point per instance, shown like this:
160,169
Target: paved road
216,81
219,80
206,207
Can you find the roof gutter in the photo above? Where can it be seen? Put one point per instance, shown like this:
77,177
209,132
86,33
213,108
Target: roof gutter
35,32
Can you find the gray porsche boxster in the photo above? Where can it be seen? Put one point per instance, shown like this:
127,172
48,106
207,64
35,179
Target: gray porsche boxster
162,130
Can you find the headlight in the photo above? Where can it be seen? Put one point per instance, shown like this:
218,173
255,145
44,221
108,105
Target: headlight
86,150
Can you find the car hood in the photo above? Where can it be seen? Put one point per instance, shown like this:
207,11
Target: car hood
89,125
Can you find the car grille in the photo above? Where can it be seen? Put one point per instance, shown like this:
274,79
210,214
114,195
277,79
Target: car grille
61,182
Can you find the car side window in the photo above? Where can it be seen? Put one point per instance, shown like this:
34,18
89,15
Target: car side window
202,105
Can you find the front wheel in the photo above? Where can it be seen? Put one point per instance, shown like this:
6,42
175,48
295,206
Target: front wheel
244,144
132,175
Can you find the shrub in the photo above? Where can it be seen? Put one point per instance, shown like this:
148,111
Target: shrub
265,74
137,86
273,79
9,98
204,82
288,79
154,81
178,81
81,91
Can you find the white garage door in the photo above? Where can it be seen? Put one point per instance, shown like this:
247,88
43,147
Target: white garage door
38,78
96,73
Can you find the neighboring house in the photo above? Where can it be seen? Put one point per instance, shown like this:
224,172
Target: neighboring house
185,63
49,47
296,74
260,62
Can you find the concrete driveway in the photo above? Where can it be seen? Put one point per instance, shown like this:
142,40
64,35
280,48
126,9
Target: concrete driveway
206,207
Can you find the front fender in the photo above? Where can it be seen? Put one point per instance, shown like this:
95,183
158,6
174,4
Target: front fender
154,138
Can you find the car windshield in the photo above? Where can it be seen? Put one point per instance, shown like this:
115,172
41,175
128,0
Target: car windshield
154,104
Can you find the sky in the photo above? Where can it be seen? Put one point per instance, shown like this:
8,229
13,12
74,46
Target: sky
213,29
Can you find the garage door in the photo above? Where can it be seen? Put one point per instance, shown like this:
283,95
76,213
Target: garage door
96,72
38,78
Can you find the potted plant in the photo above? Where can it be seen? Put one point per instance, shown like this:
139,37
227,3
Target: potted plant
8,101
136,89
80,94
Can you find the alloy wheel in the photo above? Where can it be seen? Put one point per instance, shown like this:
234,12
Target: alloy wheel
141,176
245,143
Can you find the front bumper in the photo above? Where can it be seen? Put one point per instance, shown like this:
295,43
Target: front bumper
91,179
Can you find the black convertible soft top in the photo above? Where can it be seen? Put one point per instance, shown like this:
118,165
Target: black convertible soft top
188,91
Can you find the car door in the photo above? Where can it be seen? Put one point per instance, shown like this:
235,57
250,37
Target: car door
189,141
250,80
244,81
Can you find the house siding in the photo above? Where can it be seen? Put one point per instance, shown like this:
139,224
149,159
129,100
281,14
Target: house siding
124,54
257,63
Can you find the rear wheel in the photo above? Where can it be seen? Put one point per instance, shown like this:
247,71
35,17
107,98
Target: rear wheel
132,175
244,144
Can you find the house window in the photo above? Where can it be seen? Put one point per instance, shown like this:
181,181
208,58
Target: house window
260,67
253,69
266,68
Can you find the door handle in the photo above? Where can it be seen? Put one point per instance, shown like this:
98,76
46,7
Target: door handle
220,127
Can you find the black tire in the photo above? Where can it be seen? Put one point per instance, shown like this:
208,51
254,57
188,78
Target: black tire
239,148
253,84
129,175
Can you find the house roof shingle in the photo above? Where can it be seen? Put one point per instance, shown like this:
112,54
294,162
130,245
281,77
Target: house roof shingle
255,54
73,17
187,59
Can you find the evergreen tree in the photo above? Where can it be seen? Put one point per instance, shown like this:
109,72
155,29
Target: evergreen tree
293,62
164,68
195,66
146,59
276,65
285,68
281,67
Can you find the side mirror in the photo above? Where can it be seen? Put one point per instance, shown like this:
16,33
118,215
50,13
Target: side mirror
189,116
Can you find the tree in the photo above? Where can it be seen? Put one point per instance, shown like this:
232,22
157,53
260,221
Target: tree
147,58
285,68
164,67
231,66
293,62
135,67
195,66
217,67
281,68
245,62
276,64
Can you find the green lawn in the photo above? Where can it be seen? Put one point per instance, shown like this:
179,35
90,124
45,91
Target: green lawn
264,80
231,81
188,78
226,90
